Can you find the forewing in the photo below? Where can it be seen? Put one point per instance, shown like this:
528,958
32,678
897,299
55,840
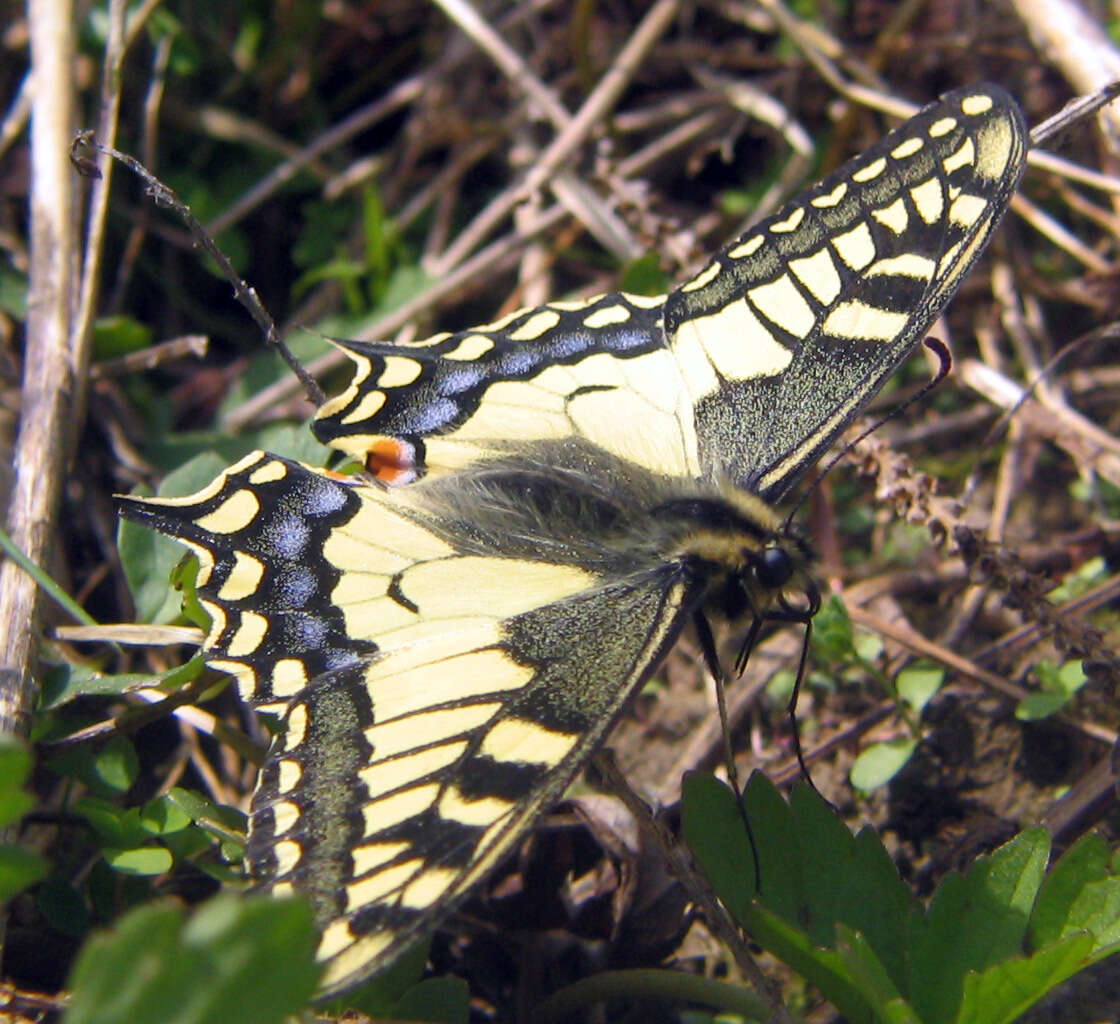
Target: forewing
437,696
596,371
788,332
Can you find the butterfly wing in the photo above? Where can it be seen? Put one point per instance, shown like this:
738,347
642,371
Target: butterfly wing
789,331
747,371
440,683
596,371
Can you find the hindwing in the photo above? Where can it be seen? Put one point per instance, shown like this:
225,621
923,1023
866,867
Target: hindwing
597,371
438,685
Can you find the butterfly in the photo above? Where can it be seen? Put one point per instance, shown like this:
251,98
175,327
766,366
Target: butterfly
547,502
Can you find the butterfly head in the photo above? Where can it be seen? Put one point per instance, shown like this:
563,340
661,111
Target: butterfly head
748,560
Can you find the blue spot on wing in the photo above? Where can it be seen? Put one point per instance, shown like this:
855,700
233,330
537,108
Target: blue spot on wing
517,363
323,497
429,417
565,344
297,587
287,536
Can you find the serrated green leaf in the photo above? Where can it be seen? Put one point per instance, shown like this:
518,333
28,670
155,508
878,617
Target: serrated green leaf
1004,991
974,921
246,960
142,860
814,874
847,881
1085,862
713,827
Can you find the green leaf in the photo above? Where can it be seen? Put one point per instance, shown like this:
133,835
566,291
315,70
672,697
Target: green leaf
248,960
1097,911
818,883
881,762
918,684
119,827
116,764
1059,684
974,921
833,641
15,766
644,276
163,816
13,292
148,556
118,335
142,860
225,823
66,682
62,906
831,905
715,831
1037,706
439,1000
19,868
1052,918
1003,992
380,994
850,880
872,977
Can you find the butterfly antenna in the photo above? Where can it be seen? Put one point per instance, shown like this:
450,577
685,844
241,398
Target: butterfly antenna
711,660
163,195
791,707
804,616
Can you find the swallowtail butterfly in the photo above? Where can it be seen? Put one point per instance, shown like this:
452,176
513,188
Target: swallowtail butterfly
580,481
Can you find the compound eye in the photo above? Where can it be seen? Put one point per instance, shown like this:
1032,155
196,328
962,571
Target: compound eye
773,568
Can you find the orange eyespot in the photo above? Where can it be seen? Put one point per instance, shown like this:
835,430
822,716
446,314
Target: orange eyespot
392,461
